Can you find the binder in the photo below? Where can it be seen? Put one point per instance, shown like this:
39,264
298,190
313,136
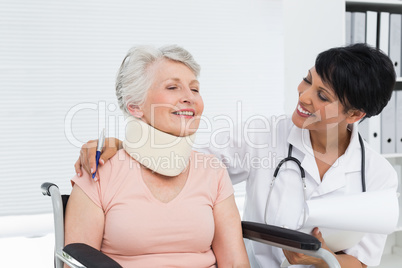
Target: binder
374,132
388,128
398,121
374,123
371,28
384,32
348,28
395,38
358,27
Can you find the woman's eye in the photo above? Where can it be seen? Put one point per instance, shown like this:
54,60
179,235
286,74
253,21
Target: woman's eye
171,87
322,96
306,80
195,90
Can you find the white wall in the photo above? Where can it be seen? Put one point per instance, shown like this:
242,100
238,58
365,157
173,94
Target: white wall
57,56
310,26
58,61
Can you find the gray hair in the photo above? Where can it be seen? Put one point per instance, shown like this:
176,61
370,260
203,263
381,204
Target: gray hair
133,78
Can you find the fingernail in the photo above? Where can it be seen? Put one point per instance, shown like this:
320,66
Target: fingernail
92,170
95,179
79,174
102,162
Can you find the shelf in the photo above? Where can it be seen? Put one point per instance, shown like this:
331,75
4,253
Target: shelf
379,6
398,84
388,156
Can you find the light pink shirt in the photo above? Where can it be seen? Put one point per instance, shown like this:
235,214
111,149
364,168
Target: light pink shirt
141,231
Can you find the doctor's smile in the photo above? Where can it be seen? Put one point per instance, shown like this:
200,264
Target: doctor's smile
302,111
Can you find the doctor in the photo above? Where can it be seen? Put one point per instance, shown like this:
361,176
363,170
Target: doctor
345,85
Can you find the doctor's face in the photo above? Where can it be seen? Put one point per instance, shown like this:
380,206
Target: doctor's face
318,107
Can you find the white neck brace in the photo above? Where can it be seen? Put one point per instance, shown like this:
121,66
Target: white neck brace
161,152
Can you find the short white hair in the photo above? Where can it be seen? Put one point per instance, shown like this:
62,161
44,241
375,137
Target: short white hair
133,78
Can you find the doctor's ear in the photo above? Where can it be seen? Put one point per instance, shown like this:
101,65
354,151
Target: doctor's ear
355,115
135,110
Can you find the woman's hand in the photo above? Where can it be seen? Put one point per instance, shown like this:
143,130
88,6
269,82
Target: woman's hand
346,261
87,162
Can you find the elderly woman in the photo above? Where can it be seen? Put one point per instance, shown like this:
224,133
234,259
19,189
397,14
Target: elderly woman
154,204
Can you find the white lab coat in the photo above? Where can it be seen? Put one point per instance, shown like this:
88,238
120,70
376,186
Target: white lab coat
253,157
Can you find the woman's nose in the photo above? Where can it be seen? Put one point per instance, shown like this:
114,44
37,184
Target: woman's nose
187,96
305,95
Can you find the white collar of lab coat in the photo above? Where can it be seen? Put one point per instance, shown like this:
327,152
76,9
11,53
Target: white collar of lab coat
350,160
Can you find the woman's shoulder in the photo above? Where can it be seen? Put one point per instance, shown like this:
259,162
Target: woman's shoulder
209,171
207,166
200,157
119,163
120,158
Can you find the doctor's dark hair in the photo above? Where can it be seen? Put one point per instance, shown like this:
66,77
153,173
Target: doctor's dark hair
135,77
362,77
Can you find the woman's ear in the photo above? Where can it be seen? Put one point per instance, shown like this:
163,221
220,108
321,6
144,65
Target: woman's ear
135,110
355,115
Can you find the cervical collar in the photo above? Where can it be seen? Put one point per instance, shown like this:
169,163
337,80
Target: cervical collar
161,152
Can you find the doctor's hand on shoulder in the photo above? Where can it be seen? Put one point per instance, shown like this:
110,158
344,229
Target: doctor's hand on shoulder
343,259
87,160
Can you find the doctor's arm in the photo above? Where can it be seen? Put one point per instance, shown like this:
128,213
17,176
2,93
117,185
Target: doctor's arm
345,260
86,162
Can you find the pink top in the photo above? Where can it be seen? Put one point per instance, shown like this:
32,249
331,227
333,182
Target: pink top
141,231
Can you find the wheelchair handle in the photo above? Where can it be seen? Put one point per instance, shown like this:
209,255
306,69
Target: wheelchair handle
45,187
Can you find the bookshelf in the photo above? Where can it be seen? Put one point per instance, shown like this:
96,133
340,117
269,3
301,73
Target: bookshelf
392,256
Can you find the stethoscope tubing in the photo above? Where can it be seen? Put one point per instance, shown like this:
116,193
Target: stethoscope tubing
302,174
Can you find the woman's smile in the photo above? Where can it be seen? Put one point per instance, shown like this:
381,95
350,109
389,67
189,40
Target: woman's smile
302,111
186,113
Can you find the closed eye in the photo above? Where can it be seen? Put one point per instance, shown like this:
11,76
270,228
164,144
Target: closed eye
306,80
322,96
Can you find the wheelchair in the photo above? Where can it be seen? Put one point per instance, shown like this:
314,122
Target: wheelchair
78,255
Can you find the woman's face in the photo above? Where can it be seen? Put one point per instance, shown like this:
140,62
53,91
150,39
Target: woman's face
173,104
318,107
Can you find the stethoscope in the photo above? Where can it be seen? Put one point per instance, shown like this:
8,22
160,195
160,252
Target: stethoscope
303,175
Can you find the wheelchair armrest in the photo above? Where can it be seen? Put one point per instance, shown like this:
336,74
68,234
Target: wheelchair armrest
270,234
88,256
